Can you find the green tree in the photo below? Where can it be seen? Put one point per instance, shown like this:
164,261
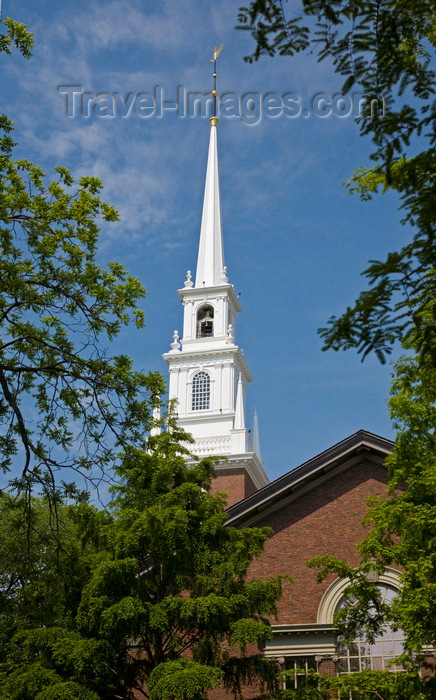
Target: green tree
164,607
384,49
45,558
403,525
64,401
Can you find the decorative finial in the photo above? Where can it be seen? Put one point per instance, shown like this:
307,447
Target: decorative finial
224,277
175,344
188,280
216,52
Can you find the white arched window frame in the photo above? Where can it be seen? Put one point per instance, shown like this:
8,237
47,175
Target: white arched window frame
336,592
200,391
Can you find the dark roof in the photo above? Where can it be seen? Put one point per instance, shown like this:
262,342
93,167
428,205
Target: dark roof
361,446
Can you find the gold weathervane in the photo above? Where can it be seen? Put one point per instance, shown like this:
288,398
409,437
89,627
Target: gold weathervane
216,52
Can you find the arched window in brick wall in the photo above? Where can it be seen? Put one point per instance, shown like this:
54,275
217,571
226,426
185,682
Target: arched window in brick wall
201,391
360,655
303,649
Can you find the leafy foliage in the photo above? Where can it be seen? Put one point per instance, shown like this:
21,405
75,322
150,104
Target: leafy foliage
385,685
64,402
364,685
153,598
182,679
44,562
404,526
383,47
403,532
17,35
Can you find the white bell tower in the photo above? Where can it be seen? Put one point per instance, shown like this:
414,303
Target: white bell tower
208,371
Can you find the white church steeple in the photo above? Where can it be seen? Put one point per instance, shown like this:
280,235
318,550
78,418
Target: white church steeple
208,371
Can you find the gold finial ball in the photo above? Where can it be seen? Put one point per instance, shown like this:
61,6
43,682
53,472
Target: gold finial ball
214,93
213,75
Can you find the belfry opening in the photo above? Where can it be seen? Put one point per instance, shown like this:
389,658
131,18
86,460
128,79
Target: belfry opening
205,322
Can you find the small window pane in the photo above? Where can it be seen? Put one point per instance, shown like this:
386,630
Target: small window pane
377,663
365,649
398,647
354,664
343,665
376,648
388,647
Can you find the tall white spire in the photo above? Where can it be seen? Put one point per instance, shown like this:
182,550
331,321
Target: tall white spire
210,263
208,371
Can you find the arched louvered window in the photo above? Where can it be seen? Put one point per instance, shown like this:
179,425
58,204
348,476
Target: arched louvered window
200,391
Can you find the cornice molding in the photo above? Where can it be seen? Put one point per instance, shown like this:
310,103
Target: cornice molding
301,640
177,359
251,462
193,293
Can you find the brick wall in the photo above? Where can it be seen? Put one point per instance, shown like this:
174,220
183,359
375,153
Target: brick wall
235,482
325,520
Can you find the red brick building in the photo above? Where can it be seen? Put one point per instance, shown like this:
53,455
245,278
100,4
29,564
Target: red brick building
318,508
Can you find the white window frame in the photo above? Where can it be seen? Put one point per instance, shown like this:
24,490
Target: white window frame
302,664
201,391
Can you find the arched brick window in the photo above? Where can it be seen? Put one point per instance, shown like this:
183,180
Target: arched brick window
200,391
361,655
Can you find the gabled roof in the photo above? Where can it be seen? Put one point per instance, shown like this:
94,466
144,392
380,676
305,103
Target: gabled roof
360,447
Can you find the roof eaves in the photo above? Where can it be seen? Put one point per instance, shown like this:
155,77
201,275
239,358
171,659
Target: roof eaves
361,443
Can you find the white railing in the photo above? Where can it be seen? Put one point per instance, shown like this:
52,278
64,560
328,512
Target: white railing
211,446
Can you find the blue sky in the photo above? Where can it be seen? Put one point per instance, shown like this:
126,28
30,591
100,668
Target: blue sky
295,241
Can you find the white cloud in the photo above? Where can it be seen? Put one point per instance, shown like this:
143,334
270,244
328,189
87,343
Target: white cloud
111,24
